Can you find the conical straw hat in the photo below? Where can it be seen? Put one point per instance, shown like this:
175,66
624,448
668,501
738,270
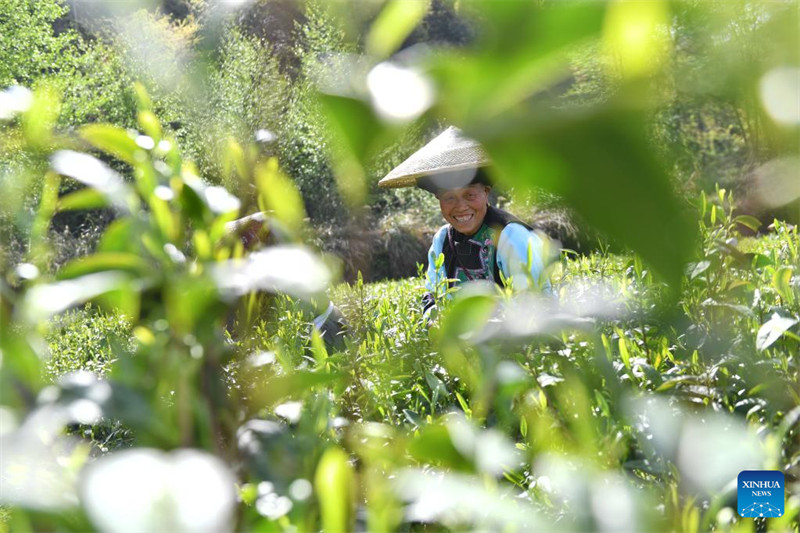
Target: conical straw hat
449,151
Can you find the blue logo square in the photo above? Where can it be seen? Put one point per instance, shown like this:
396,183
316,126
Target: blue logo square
760,493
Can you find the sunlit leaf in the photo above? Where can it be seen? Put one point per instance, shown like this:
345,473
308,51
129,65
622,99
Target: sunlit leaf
87,198
293,385
184,491
104,261
85,398
43,301
318,349
35,465
781,280
594,162
22,373
112,140
397,20
356,121
125,300
40,118
748,221
772,330
279,194
290,269
489,450
433,445
334,484
188,302
436,384
289,411
466,316
698,268
698,444
14,100
118,237
150,125
522,53
413,418
234,159
740,309
143,99
47,206
217,198
191,201
531,315
623,352
96,174
635,35
357,129
458,500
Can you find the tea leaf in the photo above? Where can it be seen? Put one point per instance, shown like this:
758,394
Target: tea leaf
748,221
772,330
96,174
104,261
112,140
82,199
334,483
279,194
43,301
395,22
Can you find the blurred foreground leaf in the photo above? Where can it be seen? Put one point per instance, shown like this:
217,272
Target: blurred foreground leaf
772,330
395,22
183,491
601,164
294,385
290,269
43,301
457,500
104,261
94,173
467,316
277,193
334,482
111,140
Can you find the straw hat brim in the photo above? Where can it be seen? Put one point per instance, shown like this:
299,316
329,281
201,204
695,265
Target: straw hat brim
449,151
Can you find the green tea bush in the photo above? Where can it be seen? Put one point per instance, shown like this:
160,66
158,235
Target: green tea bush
88,73
28,45
87,339
304,140
246,94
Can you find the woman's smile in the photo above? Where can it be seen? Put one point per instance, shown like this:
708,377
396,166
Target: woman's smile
465,208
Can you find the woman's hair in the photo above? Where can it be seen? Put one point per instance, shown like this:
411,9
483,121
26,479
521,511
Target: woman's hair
454,179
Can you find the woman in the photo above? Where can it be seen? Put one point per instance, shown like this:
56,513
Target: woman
479,241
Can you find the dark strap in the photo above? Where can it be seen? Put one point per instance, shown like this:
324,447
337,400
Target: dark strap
497,219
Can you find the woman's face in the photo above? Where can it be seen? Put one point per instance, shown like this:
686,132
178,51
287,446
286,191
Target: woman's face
465,208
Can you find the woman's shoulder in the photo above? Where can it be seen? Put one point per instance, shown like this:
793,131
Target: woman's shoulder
441,232
516,229
439,237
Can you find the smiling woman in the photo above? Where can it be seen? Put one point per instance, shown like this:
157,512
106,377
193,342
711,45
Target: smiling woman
479,242
465,208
